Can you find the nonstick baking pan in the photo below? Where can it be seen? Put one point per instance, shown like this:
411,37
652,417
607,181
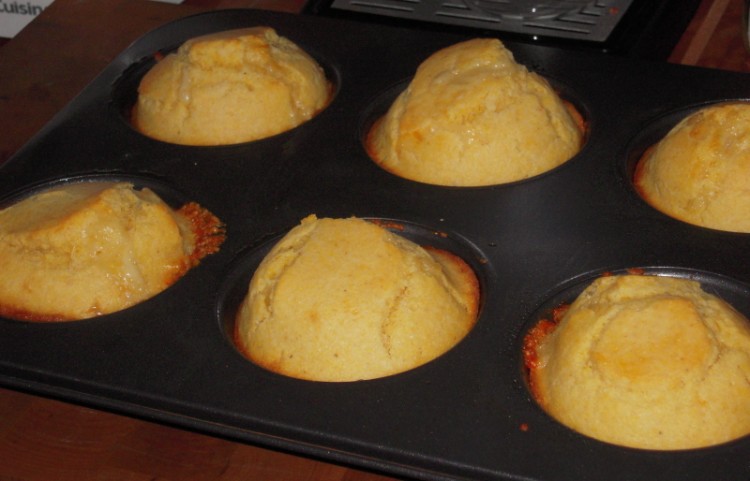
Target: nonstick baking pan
534,244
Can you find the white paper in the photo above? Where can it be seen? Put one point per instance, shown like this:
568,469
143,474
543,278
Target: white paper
16,14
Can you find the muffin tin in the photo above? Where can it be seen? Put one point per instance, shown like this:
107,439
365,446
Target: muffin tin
533,244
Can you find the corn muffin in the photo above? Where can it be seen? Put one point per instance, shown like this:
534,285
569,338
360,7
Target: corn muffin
346,300
230,87
699,172
646,362
90,248
472,116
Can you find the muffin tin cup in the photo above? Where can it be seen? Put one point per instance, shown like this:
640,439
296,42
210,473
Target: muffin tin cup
468,413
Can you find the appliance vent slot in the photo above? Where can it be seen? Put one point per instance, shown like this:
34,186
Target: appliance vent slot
591,20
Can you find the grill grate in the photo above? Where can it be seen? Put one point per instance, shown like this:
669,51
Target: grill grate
570,19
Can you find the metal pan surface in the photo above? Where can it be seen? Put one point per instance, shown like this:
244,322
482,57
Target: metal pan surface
466,415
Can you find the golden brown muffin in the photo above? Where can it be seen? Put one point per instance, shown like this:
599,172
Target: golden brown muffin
92,248
347,300
646,362
472,116
230,87
700,172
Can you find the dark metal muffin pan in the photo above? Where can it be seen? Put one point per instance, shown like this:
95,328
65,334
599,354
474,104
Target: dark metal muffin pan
466,415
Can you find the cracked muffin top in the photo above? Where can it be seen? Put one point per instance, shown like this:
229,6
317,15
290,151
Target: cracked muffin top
347,300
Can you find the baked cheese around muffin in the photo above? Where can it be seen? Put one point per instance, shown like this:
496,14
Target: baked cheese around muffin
230,87
346,299
650,362
85,249
473,116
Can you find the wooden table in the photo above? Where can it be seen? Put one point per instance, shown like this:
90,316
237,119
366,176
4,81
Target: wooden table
40,72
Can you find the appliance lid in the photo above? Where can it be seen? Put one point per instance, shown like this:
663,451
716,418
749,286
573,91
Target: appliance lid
646,29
